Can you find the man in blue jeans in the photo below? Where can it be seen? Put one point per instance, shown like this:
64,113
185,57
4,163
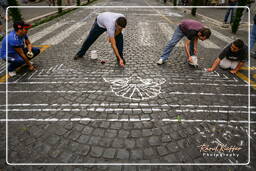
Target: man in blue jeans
253,36
193,30
17,53
230,11
113,23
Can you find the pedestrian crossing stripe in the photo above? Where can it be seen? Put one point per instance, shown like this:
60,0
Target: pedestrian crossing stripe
246,79
7,76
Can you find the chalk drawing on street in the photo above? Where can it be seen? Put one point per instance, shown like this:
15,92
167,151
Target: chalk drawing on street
135,87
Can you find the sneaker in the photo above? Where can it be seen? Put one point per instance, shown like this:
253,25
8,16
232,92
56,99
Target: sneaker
13,73
160,61
77,57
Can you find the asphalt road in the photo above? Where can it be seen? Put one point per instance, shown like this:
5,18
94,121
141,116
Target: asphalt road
84,112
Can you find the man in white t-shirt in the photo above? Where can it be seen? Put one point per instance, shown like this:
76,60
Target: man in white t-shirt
113,24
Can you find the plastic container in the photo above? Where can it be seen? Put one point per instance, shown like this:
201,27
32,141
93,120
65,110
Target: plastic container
94,54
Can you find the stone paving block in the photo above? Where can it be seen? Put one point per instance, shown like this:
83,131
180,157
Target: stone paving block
109,153
96,151
122,154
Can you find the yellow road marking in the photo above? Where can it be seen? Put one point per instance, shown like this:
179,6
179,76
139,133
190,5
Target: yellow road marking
245,78
254,76
6,76
248,68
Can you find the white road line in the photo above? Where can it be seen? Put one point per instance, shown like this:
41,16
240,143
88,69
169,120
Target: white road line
130,104
56,82
100,91
208,44
49,91
210,94
64,34
33,38
124,109
32,74
144,33
123,120
168,31
81,39
221,36
212,111
86,109
209,84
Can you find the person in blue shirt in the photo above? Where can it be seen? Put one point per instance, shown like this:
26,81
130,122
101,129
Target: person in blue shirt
17,54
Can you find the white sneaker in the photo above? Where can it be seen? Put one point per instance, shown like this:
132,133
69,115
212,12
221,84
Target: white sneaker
160,61
13,73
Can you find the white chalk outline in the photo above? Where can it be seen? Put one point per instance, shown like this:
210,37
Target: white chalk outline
125,7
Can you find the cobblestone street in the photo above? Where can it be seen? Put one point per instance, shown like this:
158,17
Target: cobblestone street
85,112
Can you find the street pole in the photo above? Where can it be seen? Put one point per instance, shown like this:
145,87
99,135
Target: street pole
14,12
238,15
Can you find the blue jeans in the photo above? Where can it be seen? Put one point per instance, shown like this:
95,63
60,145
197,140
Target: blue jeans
253,36
177,36
95,32
16,60
230,11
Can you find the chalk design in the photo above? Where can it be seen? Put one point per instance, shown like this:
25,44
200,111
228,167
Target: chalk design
135,87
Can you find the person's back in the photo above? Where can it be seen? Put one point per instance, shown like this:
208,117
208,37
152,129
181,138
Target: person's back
13,41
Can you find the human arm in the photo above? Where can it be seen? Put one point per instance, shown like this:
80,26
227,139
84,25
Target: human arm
114,47
20,51
234,71
28,44
214,65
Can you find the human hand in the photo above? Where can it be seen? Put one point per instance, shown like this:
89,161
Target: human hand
121,63
31,68
233,71
210,69
195,51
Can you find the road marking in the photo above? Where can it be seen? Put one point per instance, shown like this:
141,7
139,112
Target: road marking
81,39
208,44
61,91
221,36
55,82
86,109
248,68
168,33
144,33
64,34
46,31
209,84
128,104
209,94
246,79
213,111
123,120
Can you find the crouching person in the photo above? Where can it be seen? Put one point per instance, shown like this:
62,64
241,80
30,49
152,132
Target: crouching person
20,50
232,57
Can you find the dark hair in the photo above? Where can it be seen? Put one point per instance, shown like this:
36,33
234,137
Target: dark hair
17,25
205,32
121,21
239,43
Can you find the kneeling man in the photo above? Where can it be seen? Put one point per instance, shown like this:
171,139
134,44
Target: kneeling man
232,57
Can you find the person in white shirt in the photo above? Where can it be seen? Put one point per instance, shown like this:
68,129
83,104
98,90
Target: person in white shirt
113,24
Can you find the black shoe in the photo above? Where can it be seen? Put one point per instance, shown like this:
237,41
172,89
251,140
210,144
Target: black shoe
77,57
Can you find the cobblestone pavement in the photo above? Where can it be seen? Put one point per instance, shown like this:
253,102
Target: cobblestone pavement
86,112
